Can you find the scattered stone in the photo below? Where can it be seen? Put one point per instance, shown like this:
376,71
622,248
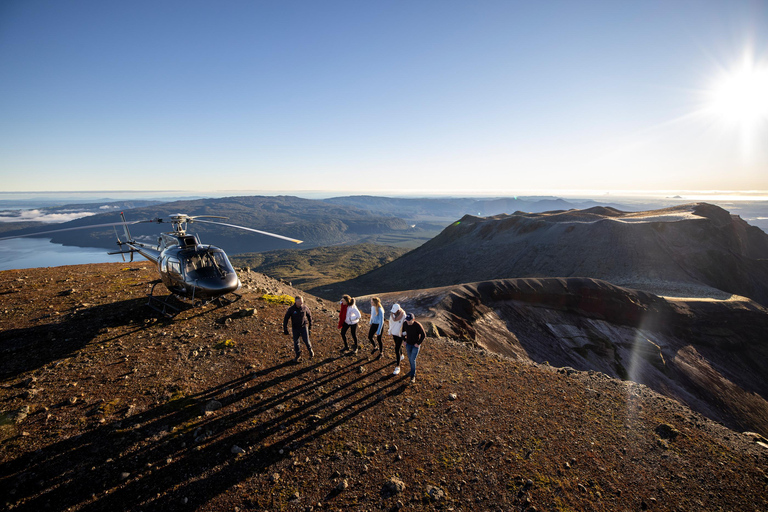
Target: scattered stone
361,369
665,431
213,405
393,487
21,414
30,393
453,396
343,485
237,450
243,313
124,475
274,477
28,382
435,493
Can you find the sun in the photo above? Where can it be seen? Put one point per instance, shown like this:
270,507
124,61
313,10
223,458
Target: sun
740,97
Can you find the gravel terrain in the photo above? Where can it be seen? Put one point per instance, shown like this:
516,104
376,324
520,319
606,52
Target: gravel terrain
106,407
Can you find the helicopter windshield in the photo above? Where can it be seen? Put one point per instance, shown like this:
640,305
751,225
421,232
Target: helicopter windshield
208,263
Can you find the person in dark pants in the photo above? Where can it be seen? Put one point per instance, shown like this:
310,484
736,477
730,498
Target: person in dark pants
377,325
396,321
352,317
414,335
301,324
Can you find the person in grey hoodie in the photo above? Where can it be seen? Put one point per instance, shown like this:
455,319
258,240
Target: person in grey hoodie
396,319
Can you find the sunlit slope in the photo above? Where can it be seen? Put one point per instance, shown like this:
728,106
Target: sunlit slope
711,355
690,250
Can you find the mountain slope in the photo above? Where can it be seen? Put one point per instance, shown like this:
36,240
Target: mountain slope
106,408
696,249
711,355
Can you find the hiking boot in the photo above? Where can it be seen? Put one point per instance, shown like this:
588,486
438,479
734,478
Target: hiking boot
374,350
297,359
413,380
379,356
311,353
354,351
402,356
397,371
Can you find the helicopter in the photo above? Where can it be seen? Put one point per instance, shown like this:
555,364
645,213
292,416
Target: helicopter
189,269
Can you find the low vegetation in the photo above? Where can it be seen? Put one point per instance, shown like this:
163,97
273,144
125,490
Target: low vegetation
310,268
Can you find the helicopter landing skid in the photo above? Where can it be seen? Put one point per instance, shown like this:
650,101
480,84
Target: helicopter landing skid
226,301
162,305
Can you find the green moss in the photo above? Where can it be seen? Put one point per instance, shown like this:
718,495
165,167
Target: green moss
179,400
277,299
224,344
450,458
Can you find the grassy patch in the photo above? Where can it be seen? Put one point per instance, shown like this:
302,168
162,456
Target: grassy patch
224,344
277,299
450,458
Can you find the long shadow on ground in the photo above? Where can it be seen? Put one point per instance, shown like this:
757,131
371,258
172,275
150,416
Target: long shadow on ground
154,459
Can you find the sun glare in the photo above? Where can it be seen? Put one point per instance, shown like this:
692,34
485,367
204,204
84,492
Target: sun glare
741,96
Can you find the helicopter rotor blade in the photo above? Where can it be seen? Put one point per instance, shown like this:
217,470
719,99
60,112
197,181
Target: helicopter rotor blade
253,230
92,226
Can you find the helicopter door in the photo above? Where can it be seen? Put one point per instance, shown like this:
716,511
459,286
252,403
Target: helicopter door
174,268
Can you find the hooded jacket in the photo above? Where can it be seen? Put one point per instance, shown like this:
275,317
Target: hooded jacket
396,322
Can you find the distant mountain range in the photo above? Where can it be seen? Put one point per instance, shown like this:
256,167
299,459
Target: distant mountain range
342,220
691,249
316,222
451,209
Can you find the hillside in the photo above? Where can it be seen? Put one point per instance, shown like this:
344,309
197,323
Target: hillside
106,408
709,354
319,266
690,250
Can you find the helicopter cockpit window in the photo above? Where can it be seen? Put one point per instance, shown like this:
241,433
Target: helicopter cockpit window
174,267
207,264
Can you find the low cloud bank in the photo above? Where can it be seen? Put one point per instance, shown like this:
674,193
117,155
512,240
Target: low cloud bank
40,216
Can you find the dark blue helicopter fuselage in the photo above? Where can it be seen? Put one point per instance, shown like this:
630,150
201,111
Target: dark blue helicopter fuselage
198,272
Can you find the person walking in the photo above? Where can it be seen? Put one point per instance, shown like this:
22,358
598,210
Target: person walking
343,317
301,324
351,318
377,326
414,335
396,319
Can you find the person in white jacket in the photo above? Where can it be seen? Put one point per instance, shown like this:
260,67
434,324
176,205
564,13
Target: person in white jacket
350,323
396,319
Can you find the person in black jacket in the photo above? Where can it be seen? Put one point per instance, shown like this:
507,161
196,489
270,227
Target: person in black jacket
414,335
301,324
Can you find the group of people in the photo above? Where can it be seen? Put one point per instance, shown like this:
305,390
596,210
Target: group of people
403,327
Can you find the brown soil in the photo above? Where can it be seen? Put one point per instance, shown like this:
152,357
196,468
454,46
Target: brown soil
104,408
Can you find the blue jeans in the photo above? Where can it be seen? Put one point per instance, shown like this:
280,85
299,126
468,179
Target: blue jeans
413,353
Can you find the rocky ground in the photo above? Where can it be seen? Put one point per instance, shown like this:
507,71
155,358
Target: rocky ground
106,407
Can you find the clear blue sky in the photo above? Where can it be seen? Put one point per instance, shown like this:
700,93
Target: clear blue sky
381,96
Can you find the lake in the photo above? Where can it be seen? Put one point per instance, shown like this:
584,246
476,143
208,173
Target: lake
40,252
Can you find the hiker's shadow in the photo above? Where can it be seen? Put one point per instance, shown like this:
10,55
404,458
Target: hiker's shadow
153,459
